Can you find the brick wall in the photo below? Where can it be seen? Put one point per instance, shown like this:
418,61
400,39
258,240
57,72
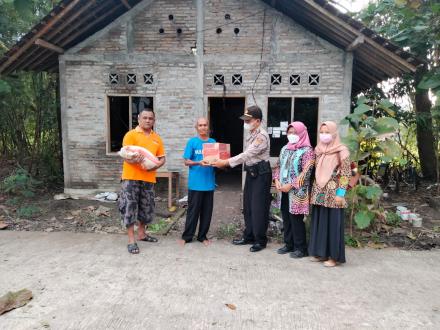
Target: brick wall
133,44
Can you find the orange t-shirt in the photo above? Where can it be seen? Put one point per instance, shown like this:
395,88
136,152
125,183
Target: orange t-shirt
152,142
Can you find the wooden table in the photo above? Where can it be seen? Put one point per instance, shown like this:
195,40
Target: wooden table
170,175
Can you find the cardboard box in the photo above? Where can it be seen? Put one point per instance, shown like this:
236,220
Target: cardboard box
214,151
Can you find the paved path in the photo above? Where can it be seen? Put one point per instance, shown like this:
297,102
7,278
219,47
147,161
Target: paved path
88,281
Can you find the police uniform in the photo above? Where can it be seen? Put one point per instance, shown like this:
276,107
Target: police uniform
256,195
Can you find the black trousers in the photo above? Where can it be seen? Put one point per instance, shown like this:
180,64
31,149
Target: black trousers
200,204
256,204
294,227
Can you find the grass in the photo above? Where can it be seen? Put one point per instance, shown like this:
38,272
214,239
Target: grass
227,231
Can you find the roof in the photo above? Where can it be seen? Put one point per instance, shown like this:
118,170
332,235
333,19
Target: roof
66,25
72,21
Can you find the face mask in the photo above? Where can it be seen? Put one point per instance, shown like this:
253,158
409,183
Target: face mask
293,138
325,138
248,126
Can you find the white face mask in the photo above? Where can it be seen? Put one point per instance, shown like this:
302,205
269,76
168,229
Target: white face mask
248,126
293,138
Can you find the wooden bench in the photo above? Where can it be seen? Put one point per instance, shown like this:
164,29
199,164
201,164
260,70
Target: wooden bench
170,175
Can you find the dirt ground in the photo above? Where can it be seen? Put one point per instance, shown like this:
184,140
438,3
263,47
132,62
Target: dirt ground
43,213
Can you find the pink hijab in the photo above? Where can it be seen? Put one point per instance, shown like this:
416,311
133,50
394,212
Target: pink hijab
301,131
332,155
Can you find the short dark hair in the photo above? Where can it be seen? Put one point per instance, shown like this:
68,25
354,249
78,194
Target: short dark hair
147,110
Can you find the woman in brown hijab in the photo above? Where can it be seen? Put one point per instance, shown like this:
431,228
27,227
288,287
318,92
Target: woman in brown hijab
327,198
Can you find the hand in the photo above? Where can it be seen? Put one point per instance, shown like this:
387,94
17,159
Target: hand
220,163
286,188
278,184
204,163
340,201
137,159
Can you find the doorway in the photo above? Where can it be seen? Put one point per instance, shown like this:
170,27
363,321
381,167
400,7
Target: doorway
226,127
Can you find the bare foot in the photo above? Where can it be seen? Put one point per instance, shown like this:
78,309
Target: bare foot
330,263
206,242
181,242
317,259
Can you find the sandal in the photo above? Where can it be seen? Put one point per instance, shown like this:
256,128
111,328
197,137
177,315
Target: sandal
149,238
133,248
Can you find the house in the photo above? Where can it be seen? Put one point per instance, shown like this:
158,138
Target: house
296,59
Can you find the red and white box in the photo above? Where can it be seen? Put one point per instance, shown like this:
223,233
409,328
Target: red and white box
215,151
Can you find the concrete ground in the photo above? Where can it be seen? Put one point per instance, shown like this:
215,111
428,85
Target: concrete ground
89,281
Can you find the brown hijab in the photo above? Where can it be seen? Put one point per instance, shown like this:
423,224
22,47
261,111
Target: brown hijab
329,155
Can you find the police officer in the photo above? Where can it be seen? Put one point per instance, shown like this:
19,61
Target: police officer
256,196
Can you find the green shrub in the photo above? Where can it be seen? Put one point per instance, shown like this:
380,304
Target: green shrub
20,183
392,219
159,226
227,231
29,211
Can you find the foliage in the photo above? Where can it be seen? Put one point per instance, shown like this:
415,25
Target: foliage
28,211
351,241
159,226
20,183
364,205
392,219
29,110
227,231
371,132
415,26
371,140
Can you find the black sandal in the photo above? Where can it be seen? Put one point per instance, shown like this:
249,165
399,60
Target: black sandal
150,239
133,248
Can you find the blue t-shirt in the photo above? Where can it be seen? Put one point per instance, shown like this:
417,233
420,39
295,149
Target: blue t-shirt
201,178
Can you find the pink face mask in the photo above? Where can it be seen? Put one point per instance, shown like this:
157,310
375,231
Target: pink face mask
325,138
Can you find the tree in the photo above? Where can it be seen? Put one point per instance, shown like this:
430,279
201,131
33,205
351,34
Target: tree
414,25
28,102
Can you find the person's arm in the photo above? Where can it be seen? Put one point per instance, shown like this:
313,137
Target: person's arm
160,154
161,162
254,149
188,154
344,179
129,140
276,175
307,164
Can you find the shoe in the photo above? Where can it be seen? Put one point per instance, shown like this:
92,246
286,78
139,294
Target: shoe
298,254
285,249
257,247
241,241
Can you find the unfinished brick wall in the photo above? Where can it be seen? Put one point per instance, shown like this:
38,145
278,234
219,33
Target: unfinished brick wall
182,80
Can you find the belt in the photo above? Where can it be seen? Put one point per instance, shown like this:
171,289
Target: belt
259,168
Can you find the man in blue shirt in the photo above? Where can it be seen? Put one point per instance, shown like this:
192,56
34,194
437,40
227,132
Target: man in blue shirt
201,185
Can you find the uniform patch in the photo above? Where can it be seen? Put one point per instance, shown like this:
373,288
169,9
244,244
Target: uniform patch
258,141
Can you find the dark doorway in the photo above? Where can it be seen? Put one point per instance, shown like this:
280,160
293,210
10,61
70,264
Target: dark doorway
279,109
306,110
226,127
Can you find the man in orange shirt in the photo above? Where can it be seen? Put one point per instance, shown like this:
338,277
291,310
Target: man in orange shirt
136,201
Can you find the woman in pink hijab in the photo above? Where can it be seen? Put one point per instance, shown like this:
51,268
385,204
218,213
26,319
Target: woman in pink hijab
331,180
292,180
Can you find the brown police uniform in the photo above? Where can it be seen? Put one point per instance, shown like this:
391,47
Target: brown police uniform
256,195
